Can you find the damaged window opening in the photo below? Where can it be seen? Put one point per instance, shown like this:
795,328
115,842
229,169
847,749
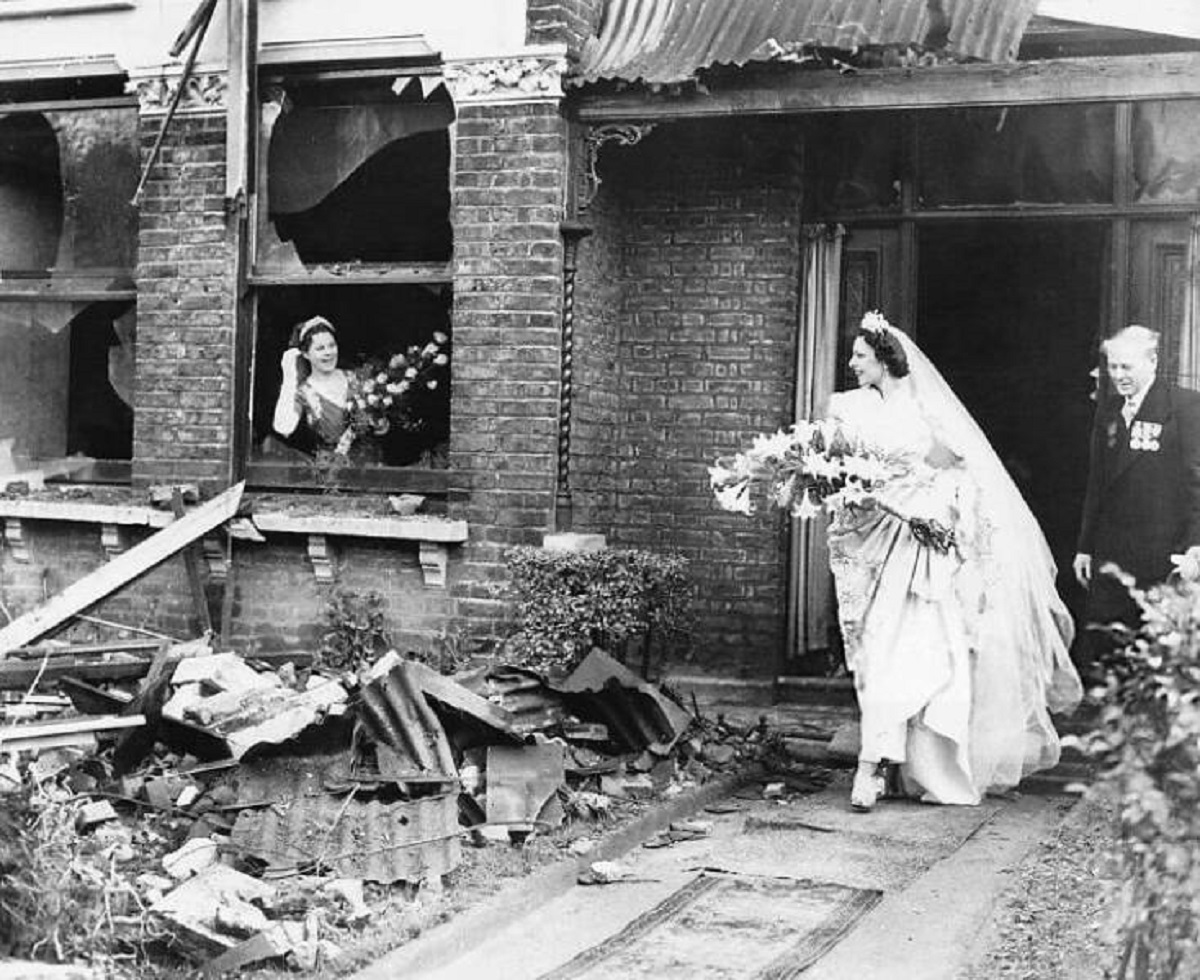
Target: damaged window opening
353,238
360,183
67,301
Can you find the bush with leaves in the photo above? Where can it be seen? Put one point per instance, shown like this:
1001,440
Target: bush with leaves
568,602
356,632
1147,746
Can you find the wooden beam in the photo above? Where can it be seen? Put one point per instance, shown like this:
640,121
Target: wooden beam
122,569
1103,79
19,674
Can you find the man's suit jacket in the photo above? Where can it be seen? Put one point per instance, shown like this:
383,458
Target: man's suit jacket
1143,491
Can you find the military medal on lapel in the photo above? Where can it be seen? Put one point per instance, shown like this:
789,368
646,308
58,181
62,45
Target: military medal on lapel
1145,436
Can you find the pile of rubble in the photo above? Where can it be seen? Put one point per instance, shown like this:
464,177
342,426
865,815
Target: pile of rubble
236,809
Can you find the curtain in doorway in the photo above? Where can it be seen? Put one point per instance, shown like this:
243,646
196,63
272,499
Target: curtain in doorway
1189,337
810,598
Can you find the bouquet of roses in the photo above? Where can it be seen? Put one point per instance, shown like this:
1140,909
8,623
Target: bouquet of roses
389,393
813,467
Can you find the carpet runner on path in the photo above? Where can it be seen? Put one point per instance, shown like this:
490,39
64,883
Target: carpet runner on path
720,927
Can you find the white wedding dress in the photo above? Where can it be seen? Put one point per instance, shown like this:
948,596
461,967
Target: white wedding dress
957,656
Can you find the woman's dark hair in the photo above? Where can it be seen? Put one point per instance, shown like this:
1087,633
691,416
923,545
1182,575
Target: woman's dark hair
303,333
888,351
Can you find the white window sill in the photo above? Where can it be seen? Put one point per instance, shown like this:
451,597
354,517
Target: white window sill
433,534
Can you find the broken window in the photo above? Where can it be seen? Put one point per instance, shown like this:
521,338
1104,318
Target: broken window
1015,155
353,226
67,320
1166,152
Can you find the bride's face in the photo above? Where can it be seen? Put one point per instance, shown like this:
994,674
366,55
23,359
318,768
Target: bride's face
865,364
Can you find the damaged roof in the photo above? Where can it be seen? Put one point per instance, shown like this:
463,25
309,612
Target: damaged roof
666,41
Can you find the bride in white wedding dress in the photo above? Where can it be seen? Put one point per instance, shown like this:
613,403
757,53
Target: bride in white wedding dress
958,654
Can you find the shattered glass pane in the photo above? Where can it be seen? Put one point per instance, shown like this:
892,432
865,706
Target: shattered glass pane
356,183
65,381
66,182
1166,152
1016,155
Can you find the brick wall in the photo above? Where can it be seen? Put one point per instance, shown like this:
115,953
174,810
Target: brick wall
709,234
507,205
563,21
185,341
60,554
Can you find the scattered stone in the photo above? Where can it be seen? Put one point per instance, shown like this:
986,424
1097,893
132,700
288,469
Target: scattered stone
193,857
93,814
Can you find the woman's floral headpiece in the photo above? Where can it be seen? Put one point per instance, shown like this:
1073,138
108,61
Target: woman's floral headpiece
875,322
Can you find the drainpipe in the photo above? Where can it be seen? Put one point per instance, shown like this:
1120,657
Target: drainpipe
573,232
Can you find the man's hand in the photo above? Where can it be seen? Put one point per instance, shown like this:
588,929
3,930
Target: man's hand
1082,566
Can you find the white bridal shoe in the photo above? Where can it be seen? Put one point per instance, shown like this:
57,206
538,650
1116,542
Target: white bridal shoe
868,786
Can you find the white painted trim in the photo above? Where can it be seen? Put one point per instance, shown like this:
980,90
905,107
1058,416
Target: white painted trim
12,9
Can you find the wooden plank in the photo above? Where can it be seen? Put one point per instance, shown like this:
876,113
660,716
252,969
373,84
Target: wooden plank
45,735
17,675
192,556
122,569
85,649
756,92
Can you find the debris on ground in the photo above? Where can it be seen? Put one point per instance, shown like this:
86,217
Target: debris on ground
236,810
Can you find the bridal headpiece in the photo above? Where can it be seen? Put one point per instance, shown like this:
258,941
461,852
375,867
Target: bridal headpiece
875,322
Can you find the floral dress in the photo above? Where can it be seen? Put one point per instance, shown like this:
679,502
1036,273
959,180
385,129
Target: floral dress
329,423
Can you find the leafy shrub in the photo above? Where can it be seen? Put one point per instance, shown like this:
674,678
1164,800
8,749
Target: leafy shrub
568,602
1147,744
356,633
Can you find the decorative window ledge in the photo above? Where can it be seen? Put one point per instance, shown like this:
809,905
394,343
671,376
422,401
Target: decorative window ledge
433,535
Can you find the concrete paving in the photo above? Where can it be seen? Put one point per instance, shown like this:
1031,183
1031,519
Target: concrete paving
940,871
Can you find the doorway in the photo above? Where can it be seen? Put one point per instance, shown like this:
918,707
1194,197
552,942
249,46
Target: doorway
1010,312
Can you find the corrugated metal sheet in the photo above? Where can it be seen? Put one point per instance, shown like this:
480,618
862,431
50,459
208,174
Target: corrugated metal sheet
637,714
410,743
665,41
294,823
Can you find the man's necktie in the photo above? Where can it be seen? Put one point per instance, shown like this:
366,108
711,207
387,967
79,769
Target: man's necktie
1128,411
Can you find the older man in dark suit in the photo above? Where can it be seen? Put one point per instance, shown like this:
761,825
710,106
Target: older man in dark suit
1142,504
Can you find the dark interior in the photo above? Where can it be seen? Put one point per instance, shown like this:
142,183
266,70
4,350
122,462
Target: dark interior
1009,312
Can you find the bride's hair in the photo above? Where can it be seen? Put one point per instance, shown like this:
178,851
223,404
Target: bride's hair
888,350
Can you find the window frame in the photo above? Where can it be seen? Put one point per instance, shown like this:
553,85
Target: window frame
84,286
282,476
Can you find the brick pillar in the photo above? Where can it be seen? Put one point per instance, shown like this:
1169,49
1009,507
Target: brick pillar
183,418
508,193
568,22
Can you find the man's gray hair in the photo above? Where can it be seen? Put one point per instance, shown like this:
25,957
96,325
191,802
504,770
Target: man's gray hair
1134,336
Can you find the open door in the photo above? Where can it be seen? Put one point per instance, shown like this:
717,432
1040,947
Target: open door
846,273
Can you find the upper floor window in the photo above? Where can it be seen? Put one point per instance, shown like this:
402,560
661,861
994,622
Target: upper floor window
67,320
352,347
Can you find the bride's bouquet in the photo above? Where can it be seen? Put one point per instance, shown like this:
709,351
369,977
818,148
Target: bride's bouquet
805,468
814,467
